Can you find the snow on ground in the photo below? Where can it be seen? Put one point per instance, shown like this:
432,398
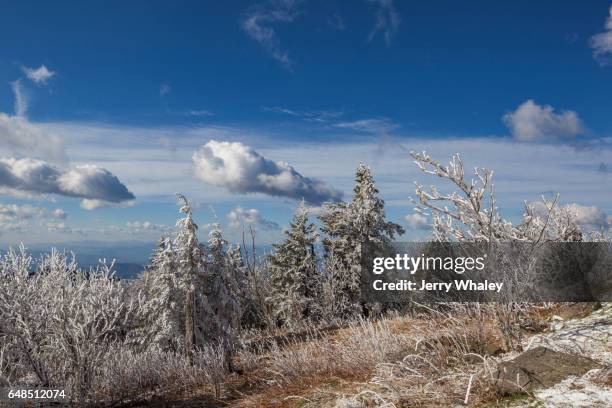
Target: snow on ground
577,392
592,337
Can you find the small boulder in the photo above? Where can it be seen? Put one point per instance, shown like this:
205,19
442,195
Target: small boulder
540,367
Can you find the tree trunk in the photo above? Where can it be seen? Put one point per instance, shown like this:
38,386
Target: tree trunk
189,321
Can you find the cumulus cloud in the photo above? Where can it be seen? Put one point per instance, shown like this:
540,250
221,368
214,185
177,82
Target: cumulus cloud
139,227
238,217
589,217
531,122
38,75
89,182
387,20
258,21
59,213
602,42
240,169
417,221
15,217
61,227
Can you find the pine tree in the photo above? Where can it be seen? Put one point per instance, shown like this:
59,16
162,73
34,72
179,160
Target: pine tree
189,266
350,225
220,300
163,306
293,268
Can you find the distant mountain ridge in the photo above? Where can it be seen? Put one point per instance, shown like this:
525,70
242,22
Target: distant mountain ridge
130,256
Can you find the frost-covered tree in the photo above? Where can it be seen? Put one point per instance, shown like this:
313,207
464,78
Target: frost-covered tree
348,226
293,270
162,312
58,323
471,213
190,272
191,289
220,298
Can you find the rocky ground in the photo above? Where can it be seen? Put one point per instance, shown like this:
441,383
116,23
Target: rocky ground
591,337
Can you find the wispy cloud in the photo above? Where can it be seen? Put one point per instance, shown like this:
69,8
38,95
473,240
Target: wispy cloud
21,100
21,137
375,126
240,169
321,116
259,19
18,136
337,22
164,89
531,122
40,75
387,20
199,113
602,43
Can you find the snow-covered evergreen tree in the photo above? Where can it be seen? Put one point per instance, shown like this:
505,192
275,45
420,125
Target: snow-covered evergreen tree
189,274
348,226
162,311
219,301
293,268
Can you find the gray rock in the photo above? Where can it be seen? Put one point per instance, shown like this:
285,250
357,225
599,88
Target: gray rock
539,368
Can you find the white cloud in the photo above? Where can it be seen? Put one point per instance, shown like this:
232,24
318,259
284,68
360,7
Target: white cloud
15,217
21,100
59,213
86,181
240,169
39,75
18,136
139,227
589,217
531,122
257,24
387,20
417,221
374,126
199,113
320,116
602,42
238,217
21,137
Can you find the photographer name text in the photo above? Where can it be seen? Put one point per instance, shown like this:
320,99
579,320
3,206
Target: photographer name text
464,285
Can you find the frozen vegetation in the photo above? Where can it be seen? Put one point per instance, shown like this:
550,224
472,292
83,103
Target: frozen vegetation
214,324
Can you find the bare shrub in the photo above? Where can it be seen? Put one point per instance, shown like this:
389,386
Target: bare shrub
58,323
355,350
128,375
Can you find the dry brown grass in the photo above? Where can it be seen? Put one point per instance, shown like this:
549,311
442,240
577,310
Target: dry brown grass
427,358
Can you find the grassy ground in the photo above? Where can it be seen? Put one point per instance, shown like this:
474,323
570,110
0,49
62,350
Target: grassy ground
424,359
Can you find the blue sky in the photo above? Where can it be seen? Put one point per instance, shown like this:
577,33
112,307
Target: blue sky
136,88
